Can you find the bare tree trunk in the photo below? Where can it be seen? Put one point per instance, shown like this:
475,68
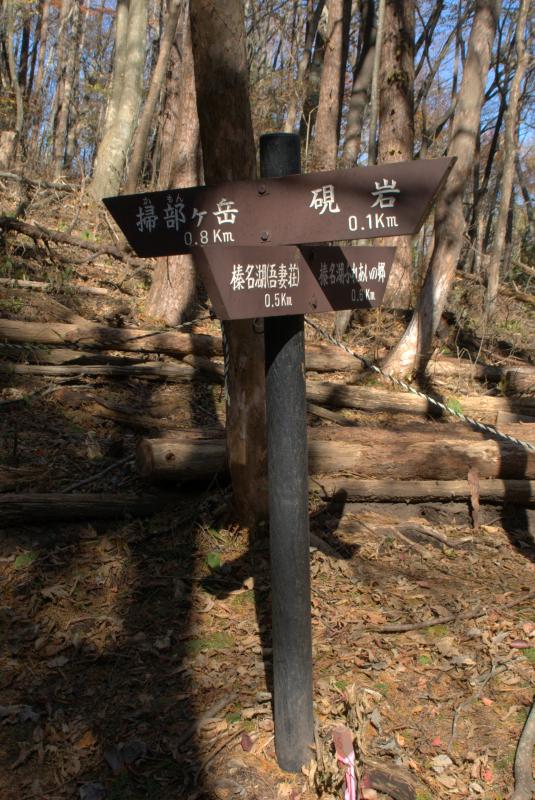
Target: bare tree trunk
526,196
142,132
24,54
374,93
15,85
44,10
509,148
412,351
330,102
480,203
65,13
72,30
360,92
119,62
173,292
296,98
312,84
332,84
125,101
218,36
36,38
396,125
76,120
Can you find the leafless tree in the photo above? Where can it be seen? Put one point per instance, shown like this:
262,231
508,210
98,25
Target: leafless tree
126,95
413,350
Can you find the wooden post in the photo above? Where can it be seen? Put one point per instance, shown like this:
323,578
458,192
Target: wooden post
288,506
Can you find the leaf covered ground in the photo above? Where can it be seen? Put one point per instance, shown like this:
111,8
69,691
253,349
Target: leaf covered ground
135,654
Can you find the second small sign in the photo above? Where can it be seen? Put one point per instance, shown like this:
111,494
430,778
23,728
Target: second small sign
246,282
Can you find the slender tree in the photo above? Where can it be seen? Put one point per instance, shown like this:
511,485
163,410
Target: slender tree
509,150
221,77
143,129
173,294
360,90
413,350
396,124
313,14
332,84
127,87
9,14
68,60
374,90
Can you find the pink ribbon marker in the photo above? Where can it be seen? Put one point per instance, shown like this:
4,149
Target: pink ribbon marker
343,743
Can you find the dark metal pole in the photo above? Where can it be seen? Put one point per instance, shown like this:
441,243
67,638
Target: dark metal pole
288,506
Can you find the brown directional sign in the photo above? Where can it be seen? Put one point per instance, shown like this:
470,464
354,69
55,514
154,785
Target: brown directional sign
245,282
359,203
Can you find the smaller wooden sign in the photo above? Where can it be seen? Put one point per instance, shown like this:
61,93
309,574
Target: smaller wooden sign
248,282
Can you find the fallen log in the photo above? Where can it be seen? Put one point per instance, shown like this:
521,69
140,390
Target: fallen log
13,477
162,459
505,417
498,492
41,286
517,294
62,355
37,232
448,366
520,381
319,358
60,507
152,370
105,338
401,457
143,422
39,184
214,371
372,399
328,358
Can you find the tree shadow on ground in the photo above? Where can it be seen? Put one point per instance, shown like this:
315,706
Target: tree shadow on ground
255,564
113,676
97,625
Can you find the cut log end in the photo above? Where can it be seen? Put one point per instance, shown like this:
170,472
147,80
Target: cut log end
144,459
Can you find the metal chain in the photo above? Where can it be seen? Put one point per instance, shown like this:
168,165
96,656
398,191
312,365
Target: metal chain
185,324
397,382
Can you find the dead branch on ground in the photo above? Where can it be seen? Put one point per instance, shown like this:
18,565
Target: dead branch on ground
38,232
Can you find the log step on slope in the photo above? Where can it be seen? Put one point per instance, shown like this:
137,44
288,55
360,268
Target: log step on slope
359,452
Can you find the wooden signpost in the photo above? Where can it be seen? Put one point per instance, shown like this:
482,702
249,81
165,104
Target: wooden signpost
360,203
236,232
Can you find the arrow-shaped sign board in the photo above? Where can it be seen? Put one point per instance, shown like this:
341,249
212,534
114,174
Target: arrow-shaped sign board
248,282
360,203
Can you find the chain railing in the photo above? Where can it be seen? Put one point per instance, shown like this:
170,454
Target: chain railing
489,429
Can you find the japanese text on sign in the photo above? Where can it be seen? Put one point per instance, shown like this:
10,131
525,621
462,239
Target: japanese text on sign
175,216
384,196
359,203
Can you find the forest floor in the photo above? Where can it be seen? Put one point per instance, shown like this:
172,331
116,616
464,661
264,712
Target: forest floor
135,656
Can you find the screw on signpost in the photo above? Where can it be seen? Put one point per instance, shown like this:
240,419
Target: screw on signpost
288,506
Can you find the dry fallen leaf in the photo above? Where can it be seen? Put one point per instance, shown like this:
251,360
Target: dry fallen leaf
86,741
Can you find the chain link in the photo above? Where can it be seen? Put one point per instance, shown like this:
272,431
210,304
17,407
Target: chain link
406,387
